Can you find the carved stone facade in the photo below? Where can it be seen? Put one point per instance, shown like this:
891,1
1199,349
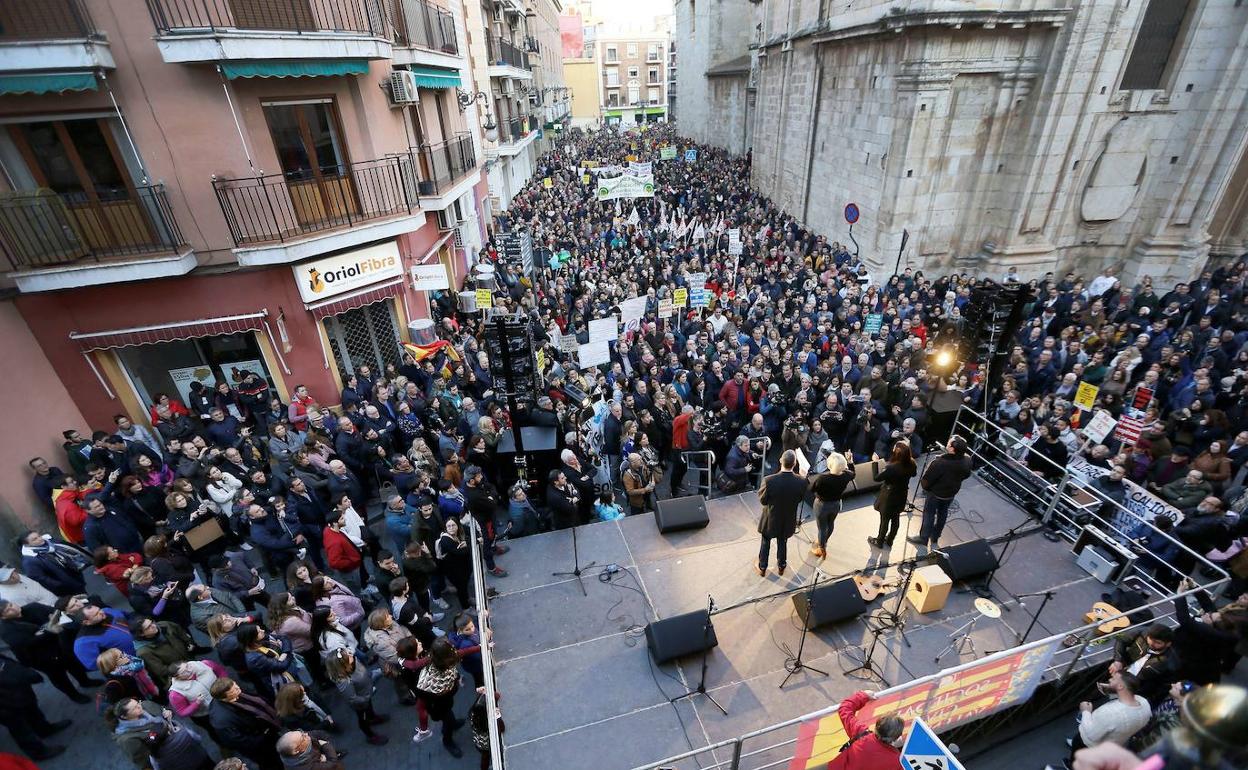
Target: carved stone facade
1045,134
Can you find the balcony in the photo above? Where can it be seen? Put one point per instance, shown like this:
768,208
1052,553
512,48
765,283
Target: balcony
532,46
514,135
443,169
50,35
280,218
508,61
60,241
228,30
424,34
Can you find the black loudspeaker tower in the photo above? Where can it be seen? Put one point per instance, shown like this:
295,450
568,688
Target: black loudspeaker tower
833,602
680,635
968,560
681,513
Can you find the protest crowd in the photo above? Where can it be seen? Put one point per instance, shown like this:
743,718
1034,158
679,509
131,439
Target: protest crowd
344,550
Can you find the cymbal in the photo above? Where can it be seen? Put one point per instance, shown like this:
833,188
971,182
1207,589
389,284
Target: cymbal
987,608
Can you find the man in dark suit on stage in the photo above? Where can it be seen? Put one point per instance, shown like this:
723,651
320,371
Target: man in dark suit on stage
781,495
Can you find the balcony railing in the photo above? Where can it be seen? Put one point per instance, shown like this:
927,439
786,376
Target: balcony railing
440,164
421,23
41,228
298,16
282,207
45,20
531,45
504,54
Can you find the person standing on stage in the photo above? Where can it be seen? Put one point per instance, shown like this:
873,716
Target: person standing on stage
891,500
781,495
942,480
828,487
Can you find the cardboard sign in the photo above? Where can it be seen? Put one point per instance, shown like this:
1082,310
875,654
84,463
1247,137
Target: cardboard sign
604,329
735,248
547,183
632,309
1100,426
680,297
874,322
586,179
593,354
667,153
485,299
667,308
1085,397
1142,398
699,298
1129,428
568,343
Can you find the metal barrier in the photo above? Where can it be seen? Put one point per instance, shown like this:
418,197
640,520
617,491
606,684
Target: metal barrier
774,747
440,164
705,469
487,654
504,53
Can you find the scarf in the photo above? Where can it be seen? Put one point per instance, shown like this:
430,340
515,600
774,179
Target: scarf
437,681
278,678
136,671
65,557
306,758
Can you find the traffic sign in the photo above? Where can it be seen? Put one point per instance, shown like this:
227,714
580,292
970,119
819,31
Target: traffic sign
851,212
924,751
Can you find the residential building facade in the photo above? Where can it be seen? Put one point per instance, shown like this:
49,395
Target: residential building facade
232,185
633,72
1041,134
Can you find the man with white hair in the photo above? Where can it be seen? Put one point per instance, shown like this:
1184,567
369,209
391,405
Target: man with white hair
579,478
302,750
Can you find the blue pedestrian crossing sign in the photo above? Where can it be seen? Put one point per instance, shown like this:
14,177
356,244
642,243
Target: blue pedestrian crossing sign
691,156
924,751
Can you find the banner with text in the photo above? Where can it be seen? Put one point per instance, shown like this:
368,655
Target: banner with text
626,186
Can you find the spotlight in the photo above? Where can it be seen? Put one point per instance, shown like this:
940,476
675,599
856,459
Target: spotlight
944,358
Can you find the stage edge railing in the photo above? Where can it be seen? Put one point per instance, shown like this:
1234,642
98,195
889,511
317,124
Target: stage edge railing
1089,647
487,654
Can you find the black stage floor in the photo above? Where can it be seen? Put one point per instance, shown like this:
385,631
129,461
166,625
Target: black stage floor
579,687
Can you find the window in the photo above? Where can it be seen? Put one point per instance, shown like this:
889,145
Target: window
654,74
654,96
632,72
632,50
313,159
613,99
1155,44
634,92
613,54
652,52
76,158
613,77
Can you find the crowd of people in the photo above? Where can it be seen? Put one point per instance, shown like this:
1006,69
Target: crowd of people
316,550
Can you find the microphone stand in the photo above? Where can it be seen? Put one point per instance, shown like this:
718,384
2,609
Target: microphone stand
1035,615
577,569
985,590
701,688
896,617
796,664
867,664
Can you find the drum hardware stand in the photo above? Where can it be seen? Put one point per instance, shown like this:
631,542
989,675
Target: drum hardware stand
796,664
961,639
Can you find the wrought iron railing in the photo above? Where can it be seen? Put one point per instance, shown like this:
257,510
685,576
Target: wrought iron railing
282,207
349,16
531,45
504,53
41,228
45,20
440,164
423,24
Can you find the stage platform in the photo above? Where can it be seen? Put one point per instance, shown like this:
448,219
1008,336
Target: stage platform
580,689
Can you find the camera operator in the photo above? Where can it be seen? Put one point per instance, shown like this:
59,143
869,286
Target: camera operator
906,432
796,433
715,430
864,432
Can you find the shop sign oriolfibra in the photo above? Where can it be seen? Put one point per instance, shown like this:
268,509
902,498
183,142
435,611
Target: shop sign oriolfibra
328,277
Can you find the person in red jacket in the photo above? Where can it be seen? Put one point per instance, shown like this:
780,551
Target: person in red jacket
70,515
342,555
868,749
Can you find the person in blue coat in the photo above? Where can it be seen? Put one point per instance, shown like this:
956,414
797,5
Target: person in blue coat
277,534
110,527
54,566
398,522
103,628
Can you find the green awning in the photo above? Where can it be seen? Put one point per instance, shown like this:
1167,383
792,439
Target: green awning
613,114
296,68
655,110
47,83
435,77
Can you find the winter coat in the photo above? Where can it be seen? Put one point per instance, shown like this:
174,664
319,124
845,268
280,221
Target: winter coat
781,495
896,479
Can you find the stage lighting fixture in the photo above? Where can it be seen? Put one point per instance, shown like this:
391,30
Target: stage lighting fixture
943,359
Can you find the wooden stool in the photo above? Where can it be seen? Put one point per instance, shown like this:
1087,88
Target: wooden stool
929,589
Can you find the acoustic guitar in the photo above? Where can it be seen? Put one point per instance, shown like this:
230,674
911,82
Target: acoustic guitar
1102,611
871,586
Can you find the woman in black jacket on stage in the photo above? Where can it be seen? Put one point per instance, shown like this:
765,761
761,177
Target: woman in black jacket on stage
891,500
828,488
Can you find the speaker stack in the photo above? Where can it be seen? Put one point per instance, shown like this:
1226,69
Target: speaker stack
679,513
968,560
832,603
680,635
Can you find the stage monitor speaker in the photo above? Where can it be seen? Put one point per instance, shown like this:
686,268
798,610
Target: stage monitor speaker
681,513
833,602
680,635
967,560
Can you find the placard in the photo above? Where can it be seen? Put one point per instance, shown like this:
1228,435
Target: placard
667,308
1128,431
430,277
1142,398
735,247
547,183
680,297
586,179
874,322
632,309
699,298
1085,397
1100,426
485,299
593,354
691,156
568,343
604,329
667,153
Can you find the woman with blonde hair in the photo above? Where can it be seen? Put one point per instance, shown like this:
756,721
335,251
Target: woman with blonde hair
125,677
382,638
829,487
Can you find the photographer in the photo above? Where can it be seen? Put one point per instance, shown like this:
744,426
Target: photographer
864,432
796,434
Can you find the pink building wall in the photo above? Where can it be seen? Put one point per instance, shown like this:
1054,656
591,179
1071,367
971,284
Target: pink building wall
572,35
39,408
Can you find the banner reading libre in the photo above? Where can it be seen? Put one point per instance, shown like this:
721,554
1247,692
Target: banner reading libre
626,186
992,684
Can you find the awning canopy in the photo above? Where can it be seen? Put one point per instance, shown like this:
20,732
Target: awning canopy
177,330
435,77
359,298
47,83
295,68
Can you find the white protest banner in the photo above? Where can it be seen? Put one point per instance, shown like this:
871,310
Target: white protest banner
604,329
735,247
1100,426
632,309
593,354
640,169
1140,501
667,308
625,187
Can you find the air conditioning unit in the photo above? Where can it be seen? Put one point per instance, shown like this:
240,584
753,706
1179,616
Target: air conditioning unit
403,88
458,238
447,219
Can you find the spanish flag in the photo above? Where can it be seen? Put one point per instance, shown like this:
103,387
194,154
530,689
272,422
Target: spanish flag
421,352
